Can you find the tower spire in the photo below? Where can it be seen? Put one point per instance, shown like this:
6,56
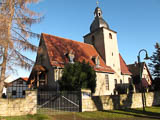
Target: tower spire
98,22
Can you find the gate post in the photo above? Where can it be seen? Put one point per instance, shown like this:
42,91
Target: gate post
80,101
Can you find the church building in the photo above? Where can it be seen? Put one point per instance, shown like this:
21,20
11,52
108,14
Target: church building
100,49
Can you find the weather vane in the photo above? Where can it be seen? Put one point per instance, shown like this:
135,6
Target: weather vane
97,3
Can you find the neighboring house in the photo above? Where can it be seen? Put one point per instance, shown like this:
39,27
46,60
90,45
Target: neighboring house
100,49
146,76
9,79
17,88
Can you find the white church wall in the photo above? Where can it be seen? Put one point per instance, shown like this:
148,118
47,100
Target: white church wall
111,50
125,79
102,87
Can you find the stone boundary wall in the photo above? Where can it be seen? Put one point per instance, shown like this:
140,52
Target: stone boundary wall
110,102
19,106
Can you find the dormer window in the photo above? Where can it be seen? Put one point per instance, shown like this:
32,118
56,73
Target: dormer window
71,56
96,61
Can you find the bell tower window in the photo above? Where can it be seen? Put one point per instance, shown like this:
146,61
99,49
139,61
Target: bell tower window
93,40
110,35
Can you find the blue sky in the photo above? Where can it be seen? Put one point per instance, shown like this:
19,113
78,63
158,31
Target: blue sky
137,22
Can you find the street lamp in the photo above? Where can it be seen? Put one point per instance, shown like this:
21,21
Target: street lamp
139,61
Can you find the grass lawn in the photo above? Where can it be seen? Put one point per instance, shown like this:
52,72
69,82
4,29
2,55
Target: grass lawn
152,113
28,117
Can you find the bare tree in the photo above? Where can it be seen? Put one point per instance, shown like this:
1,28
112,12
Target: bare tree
15,30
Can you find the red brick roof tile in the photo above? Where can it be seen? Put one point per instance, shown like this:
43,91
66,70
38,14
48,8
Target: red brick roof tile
24,78
124,68
57,47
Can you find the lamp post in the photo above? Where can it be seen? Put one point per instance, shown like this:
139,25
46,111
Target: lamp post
139,62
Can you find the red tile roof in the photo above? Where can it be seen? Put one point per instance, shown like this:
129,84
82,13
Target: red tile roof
124,68
57,47
24,78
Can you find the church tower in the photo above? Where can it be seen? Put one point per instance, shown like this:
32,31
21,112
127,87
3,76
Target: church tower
105,41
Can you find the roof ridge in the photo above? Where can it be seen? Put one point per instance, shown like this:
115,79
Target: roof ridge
23,77
83,47
67,39
137,63
123,66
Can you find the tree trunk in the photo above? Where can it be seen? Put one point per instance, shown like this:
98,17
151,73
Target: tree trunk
6,44
3,70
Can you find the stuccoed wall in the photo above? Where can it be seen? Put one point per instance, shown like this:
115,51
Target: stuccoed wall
110,102
101,84
19,106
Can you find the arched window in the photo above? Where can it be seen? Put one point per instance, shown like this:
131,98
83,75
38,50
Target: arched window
120,81
115,81
107,81
110,35
129,80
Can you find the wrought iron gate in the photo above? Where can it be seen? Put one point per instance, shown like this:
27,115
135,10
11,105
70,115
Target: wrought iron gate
53,101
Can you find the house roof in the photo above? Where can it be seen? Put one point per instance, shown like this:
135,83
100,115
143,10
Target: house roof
124,68
58,48
20,78
144,84
134,68
24,78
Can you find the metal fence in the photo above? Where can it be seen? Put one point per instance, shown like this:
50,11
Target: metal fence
56,101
